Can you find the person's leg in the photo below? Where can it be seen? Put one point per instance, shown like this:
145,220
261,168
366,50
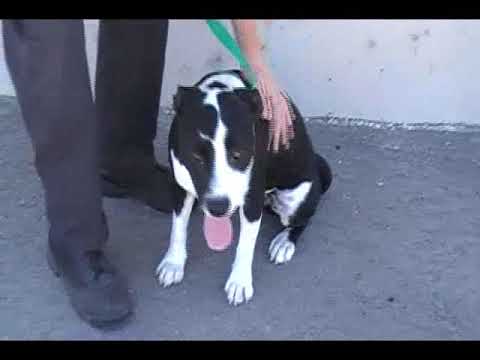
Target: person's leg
48,67
130,64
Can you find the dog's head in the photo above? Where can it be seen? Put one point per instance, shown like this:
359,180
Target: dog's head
213,150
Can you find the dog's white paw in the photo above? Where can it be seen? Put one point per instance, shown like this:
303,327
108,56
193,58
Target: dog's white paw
239,288
281,249
169,273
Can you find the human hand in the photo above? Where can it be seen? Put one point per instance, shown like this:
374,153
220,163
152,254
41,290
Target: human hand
276,109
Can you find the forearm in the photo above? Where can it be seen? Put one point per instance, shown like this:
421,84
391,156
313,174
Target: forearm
249,41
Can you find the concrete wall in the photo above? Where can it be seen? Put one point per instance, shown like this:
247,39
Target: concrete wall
396,71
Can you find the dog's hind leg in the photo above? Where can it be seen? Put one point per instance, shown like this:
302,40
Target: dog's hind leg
324,172
295,207
283,245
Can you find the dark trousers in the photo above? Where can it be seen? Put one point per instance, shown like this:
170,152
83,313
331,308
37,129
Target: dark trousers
74,137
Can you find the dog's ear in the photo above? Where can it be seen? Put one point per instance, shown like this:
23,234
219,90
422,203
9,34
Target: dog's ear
252,98
183,93
242,76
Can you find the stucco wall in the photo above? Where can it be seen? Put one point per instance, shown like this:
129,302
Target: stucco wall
395,71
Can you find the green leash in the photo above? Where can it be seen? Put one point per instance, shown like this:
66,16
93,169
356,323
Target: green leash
222,34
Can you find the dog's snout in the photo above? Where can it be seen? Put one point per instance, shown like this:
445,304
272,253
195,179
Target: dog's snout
218,206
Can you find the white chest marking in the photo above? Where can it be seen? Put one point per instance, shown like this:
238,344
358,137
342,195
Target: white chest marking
182,175
286,202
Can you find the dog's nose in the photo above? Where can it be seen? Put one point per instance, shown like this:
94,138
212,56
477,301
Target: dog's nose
218,206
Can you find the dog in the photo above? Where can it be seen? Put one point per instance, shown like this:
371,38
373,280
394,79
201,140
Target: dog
218,153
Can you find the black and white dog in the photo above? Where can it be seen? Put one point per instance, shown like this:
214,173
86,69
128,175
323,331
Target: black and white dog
219,158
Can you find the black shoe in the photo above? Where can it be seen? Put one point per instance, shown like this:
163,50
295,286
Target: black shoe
153,189
97,292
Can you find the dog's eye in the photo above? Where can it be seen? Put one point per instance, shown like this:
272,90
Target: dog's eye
235,155
197,156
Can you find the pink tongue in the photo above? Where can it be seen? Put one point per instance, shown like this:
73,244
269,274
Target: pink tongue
218,232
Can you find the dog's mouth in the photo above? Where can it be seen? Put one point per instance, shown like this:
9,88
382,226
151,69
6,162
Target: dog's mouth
218,230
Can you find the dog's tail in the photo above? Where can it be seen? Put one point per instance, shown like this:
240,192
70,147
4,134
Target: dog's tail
324,172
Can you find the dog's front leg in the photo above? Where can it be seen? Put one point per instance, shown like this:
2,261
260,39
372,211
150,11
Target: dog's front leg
239,286
171,268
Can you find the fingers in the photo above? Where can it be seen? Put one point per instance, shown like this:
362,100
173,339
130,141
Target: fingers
280,122
284,121
270,136
276,136
267,114
290,117
278,111
266,101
